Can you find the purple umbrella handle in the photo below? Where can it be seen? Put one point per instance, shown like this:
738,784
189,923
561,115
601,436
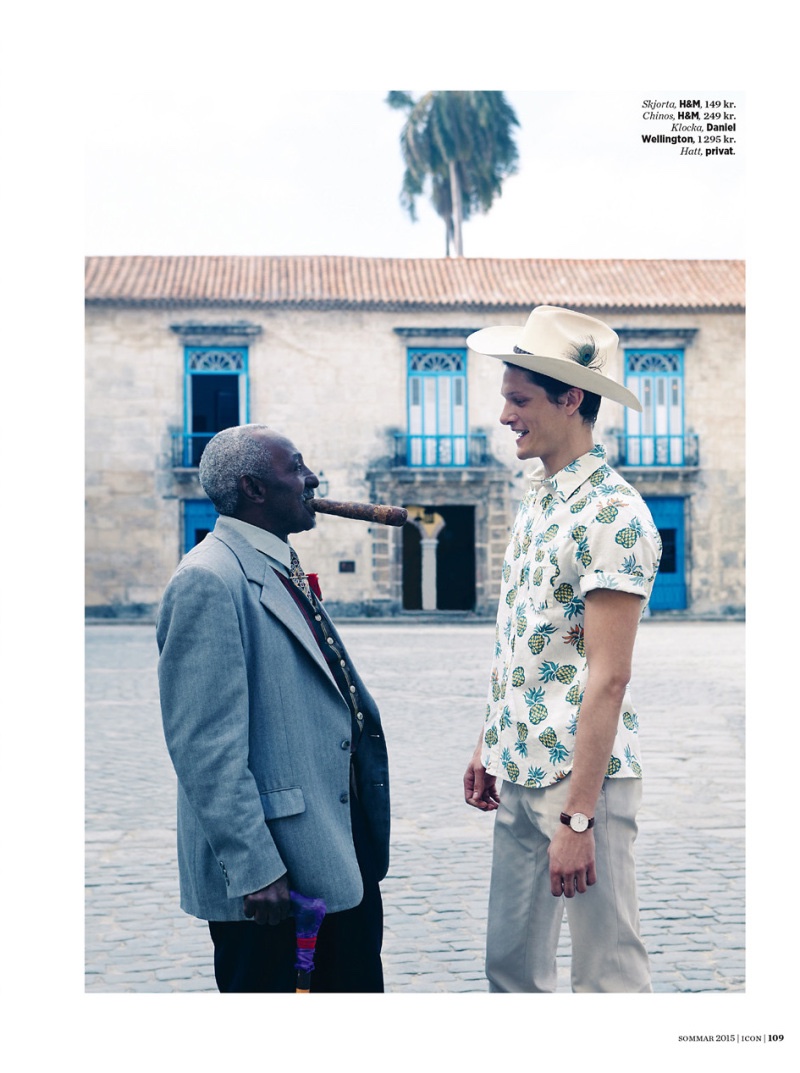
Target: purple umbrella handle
308,916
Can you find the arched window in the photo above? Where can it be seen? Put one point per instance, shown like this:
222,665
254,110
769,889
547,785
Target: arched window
655,437
437,407
215,395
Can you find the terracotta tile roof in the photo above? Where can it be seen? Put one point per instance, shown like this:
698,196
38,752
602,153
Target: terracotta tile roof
395,283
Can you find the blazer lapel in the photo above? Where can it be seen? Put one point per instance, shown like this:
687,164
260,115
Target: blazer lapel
274,597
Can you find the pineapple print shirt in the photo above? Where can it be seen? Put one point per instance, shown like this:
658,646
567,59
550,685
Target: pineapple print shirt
583,528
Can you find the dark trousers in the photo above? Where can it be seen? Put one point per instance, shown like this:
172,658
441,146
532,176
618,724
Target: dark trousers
260,957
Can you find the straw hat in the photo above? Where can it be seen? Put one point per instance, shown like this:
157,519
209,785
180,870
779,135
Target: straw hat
560,343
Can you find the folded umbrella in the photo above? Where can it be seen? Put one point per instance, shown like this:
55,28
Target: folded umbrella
308,915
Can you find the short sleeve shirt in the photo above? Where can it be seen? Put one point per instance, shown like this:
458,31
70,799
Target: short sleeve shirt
583,528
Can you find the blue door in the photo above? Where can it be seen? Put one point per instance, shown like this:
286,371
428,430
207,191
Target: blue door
669,591
199,518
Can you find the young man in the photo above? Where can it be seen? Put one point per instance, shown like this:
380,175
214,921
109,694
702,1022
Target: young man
278,748
560,733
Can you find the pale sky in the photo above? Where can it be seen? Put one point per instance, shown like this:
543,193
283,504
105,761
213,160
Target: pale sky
319,172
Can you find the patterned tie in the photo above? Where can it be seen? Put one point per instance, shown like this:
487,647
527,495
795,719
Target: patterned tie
297,575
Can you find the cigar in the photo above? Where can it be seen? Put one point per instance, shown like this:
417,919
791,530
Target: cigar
363,512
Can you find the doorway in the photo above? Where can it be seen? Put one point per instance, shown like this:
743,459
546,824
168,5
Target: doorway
455,561
199,518
669,591
215,406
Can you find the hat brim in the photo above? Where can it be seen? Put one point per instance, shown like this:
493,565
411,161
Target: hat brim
499,342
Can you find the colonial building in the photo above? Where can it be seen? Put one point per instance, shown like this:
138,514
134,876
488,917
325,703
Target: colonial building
362,362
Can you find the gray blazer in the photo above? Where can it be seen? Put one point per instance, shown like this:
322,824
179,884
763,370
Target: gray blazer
259,736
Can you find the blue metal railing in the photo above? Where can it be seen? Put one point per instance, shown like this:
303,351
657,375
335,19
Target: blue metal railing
447,451
187,448
417,451
653,450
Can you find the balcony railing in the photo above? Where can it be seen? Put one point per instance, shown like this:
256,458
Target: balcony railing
652,450
417,451
187,448
446,451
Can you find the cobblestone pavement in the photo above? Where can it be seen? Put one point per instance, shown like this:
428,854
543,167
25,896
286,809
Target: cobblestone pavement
430,680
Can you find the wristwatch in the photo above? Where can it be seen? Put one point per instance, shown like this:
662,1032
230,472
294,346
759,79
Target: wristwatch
577,821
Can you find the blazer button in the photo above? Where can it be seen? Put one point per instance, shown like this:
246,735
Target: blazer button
344,798
346,743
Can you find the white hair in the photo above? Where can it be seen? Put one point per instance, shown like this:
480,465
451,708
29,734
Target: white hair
232,454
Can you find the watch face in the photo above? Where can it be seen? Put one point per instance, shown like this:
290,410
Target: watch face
579,822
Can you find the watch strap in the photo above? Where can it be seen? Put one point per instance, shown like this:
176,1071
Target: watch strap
565,818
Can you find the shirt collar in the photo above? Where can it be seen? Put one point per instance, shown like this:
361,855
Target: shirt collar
566,482
261,539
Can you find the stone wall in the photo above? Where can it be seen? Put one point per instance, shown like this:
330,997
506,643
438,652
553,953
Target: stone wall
335,383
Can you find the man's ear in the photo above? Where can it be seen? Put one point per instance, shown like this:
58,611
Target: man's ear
572,399
252,489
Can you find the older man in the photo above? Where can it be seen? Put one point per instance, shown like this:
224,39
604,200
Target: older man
560,733
276,742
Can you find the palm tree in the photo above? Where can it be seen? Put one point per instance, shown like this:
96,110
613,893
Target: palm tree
460,140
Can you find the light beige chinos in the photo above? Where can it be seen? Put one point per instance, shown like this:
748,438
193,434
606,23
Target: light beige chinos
525,919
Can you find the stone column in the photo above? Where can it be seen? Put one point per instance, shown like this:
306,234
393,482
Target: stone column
430,525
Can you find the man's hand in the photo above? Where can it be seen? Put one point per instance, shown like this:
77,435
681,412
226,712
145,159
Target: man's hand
271,904
572,867
480,789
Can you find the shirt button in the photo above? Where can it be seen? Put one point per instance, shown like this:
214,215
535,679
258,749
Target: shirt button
352,689
359,717
330,640
342,663
318,618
